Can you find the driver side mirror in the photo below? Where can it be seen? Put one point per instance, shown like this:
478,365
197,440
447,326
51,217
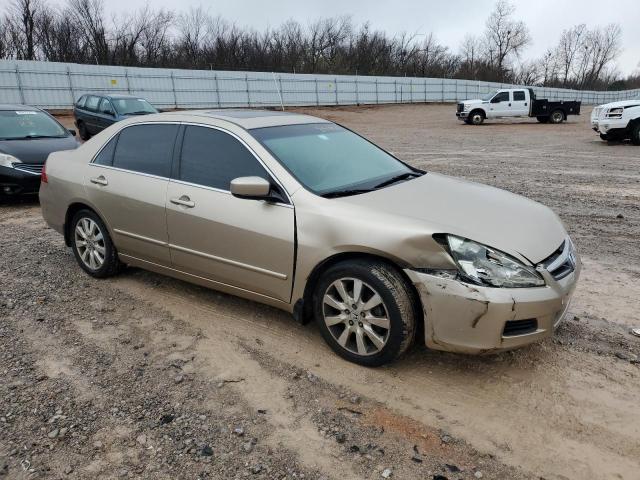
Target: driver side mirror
253,188
108,112
72,132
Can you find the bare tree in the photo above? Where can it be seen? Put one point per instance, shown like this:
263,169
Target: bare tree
21,21
504,37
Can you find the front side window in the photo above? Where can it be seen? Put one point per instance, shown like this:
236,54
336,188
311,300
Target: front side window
105,107
133,106
25,124
501,97
213,158
327,158
80,102
519,96
146,148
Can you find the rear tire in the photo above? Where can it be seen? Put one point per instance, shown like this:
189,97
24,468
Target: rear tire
635,134
365,311
543,119
557,116
83,132
92,246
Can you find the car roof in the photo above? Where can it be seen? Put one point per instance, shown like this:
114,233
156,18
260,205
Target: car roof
112,95
16,106
252,118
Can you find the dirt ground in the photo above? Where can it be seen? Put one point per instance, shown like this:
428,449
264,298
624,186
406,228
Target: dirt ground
142,376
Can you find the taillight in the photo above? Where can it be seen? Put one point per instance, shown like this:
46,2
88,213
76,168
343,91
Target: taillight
43,174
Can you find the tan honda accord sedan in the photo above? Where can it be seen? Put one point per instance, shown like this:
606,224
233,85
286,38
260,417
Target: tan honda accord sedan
305,215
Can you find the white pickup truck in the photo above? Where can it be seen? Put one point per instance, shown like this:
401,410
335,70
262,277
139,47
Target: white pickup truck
618,121
515,102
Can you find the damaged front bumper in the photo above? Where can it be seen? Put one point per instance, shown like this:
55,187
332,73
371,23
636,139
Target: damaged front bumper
465,318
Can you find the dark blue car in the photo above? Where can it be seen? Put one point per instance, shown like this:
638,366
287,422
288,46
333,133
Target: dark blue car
94,113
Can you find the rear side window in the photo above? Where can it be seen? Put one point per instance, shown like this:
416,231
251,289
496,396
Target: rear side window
105,157
213,158
519,96
146,148
92,103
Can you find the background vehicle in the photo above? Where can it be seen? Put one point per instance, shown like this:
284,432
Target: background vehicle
515,102
618,121
302,214
94,113
27,136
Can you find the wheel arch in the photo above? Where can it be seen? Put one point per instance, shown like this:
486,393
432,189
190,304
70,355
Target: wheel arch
478,109
74,208
303,307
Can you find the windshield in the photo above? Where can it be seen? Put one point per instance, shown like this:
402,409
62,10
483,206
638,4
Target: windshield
130,106
329,159
489,95
21,124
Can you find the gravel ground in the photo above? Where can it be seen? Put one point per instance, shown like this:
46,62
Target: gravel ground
143,376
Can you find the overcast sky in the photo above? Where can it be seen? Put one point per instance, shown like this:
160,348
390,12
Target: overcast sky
450,20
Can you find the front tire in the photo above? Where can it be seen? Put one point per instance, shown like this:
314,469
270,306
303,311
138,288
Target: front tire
635,134
556,117
365,311
92,246
476,117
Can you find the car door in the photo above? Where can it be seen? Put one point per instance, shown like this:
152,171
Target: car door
520,104
105,116
127,183
89,114
247,244
500,105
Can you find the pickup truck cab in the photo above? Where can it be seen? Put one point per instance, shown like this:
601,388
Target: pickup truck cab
618,121
515,102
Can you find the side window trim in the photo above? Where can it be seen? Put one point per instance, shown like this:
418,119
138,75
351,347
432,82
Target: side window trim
176,171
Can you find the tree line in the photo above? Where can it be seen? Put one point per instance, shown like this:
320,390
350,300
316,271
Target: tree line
81,32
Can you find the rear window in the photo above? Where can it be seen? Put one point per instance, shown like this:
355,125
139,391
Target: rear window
146,148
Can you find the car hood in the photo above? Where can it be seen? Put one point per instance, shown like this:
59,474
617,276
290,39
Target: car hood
36,150
475,101
494,217
622,103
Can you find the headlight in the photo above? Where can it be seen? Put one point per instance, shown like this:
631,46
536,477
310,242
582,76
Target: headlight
8,160
486,266
615,111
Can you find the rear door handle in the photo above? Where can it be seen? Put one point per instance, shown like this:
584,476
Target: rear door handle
99,180
184,200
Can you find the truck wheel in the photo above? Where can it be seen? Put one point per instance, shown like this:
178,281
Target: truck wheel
635,134
476,117
604,137
543,119
557,116
365,312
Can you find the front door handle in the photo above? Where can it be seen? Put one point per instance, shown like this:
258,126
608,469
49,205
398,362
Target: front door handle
99,180
184,200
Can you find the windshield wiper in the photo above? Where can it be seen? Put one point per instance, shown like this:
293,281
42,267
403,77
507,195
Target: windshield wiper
346,193
139,112
31,137
397,178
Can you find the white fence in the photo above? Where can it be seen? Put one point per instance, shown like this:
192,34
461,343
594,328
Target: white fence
57,86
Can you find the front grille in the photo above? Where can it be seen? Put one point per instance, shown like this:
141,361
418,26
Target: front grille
520,327
34,168
561,262
461,107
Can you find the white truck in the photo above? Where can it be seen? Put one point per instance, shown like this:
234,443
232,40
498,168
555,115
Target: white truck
618,121
515,102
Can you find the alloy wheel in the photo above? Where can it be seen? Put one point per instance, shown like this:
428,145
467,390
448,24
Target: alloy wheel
89,242
356,316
